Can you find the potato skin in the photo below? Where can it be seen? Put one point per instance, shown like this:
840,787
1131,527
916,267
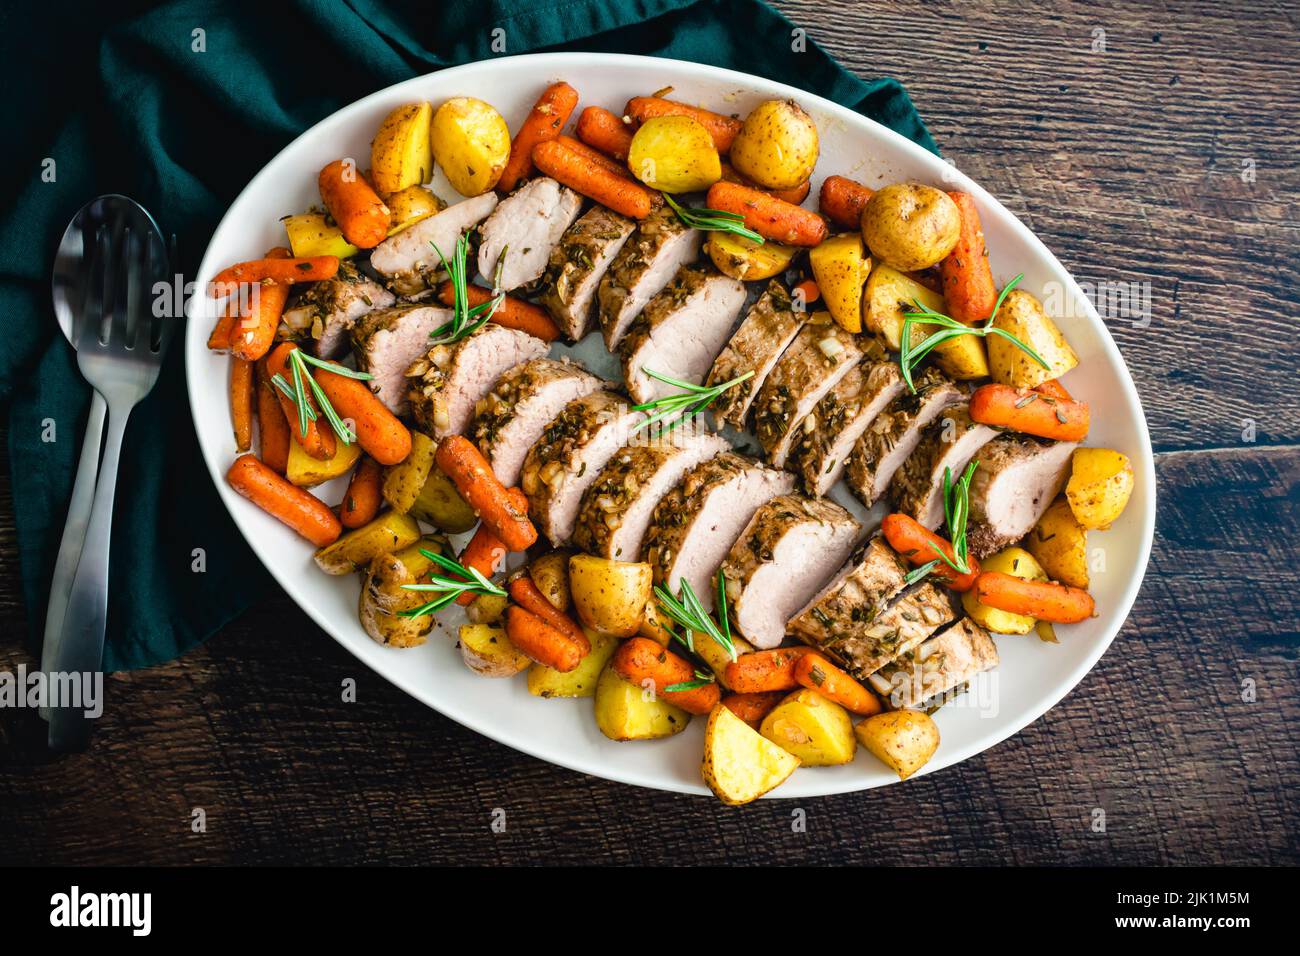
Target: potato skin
626,712
403,481
903,740
609,596
1022,315
313,234
488,652
911,226
383,599
440,504
1014,561
550,572
740,764
744,259
1100,485
816,730
840,266
389,532
306,472
399,154
674,154
471,143
1060,544
408,206
777,147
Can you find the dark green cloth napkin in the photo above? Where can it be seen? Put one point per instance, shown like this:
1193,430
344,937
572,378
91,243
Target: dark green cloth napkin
178,105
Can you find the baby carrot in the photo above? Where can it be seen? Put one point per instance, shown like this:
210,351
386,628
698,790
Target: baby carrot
639,659
541,642
273,270
1053,388
527,595
513,313
808,289
485,553
1044,600
361,501
842,200
504,514
318,440
917,543
355,206
544,122
723,129
602,130
764,670
272,429
219,339
1033,413
768,216
254,334
752,708
241,402
967,279
581,174
379,432
300,510
817,673
596,157
795,194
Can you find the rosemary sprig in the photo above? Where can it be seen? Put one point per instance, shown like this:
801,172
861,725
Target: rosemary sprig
685,404
917,573
713,220
302,380
449,588
462,316
909,358
686,611
702,679
956,511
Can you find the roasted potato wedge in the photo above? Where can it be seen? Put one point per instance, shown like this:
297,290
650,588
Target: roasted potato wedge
840,266
546,681
440,504
740,764
1101,482
415,560
314,234
1014,561
408,206
674,154
306,472
550,573
910,226
747,260
653,625
609,596
488,652
1060,545
391,531
816,730
903,740
777,147
487,608
383,601
471,143
626,712
404,481
890,295
399,154
1022,315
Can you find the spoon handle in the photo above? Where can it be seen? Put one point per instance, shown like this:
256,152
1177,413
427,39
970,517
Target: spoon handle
74,533
81,649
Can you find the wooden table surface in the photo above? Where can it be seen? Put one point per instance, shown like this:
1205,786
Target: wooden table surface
1167,158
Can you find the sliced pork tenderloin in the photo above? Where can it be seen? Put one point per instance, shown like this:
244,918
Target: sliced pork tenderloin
680,331
820,356
408,260
327,310
388,341
895,433
1017,478
445,384
524,228
569,456
947,445
577,265
937,666
523,402
785,553
696,523
767,331
661,245
616,511
821,453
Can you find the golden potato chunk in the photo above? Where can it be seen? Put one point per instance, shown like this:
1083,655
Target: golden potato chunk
1100,485
740,764
903,740
816,730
